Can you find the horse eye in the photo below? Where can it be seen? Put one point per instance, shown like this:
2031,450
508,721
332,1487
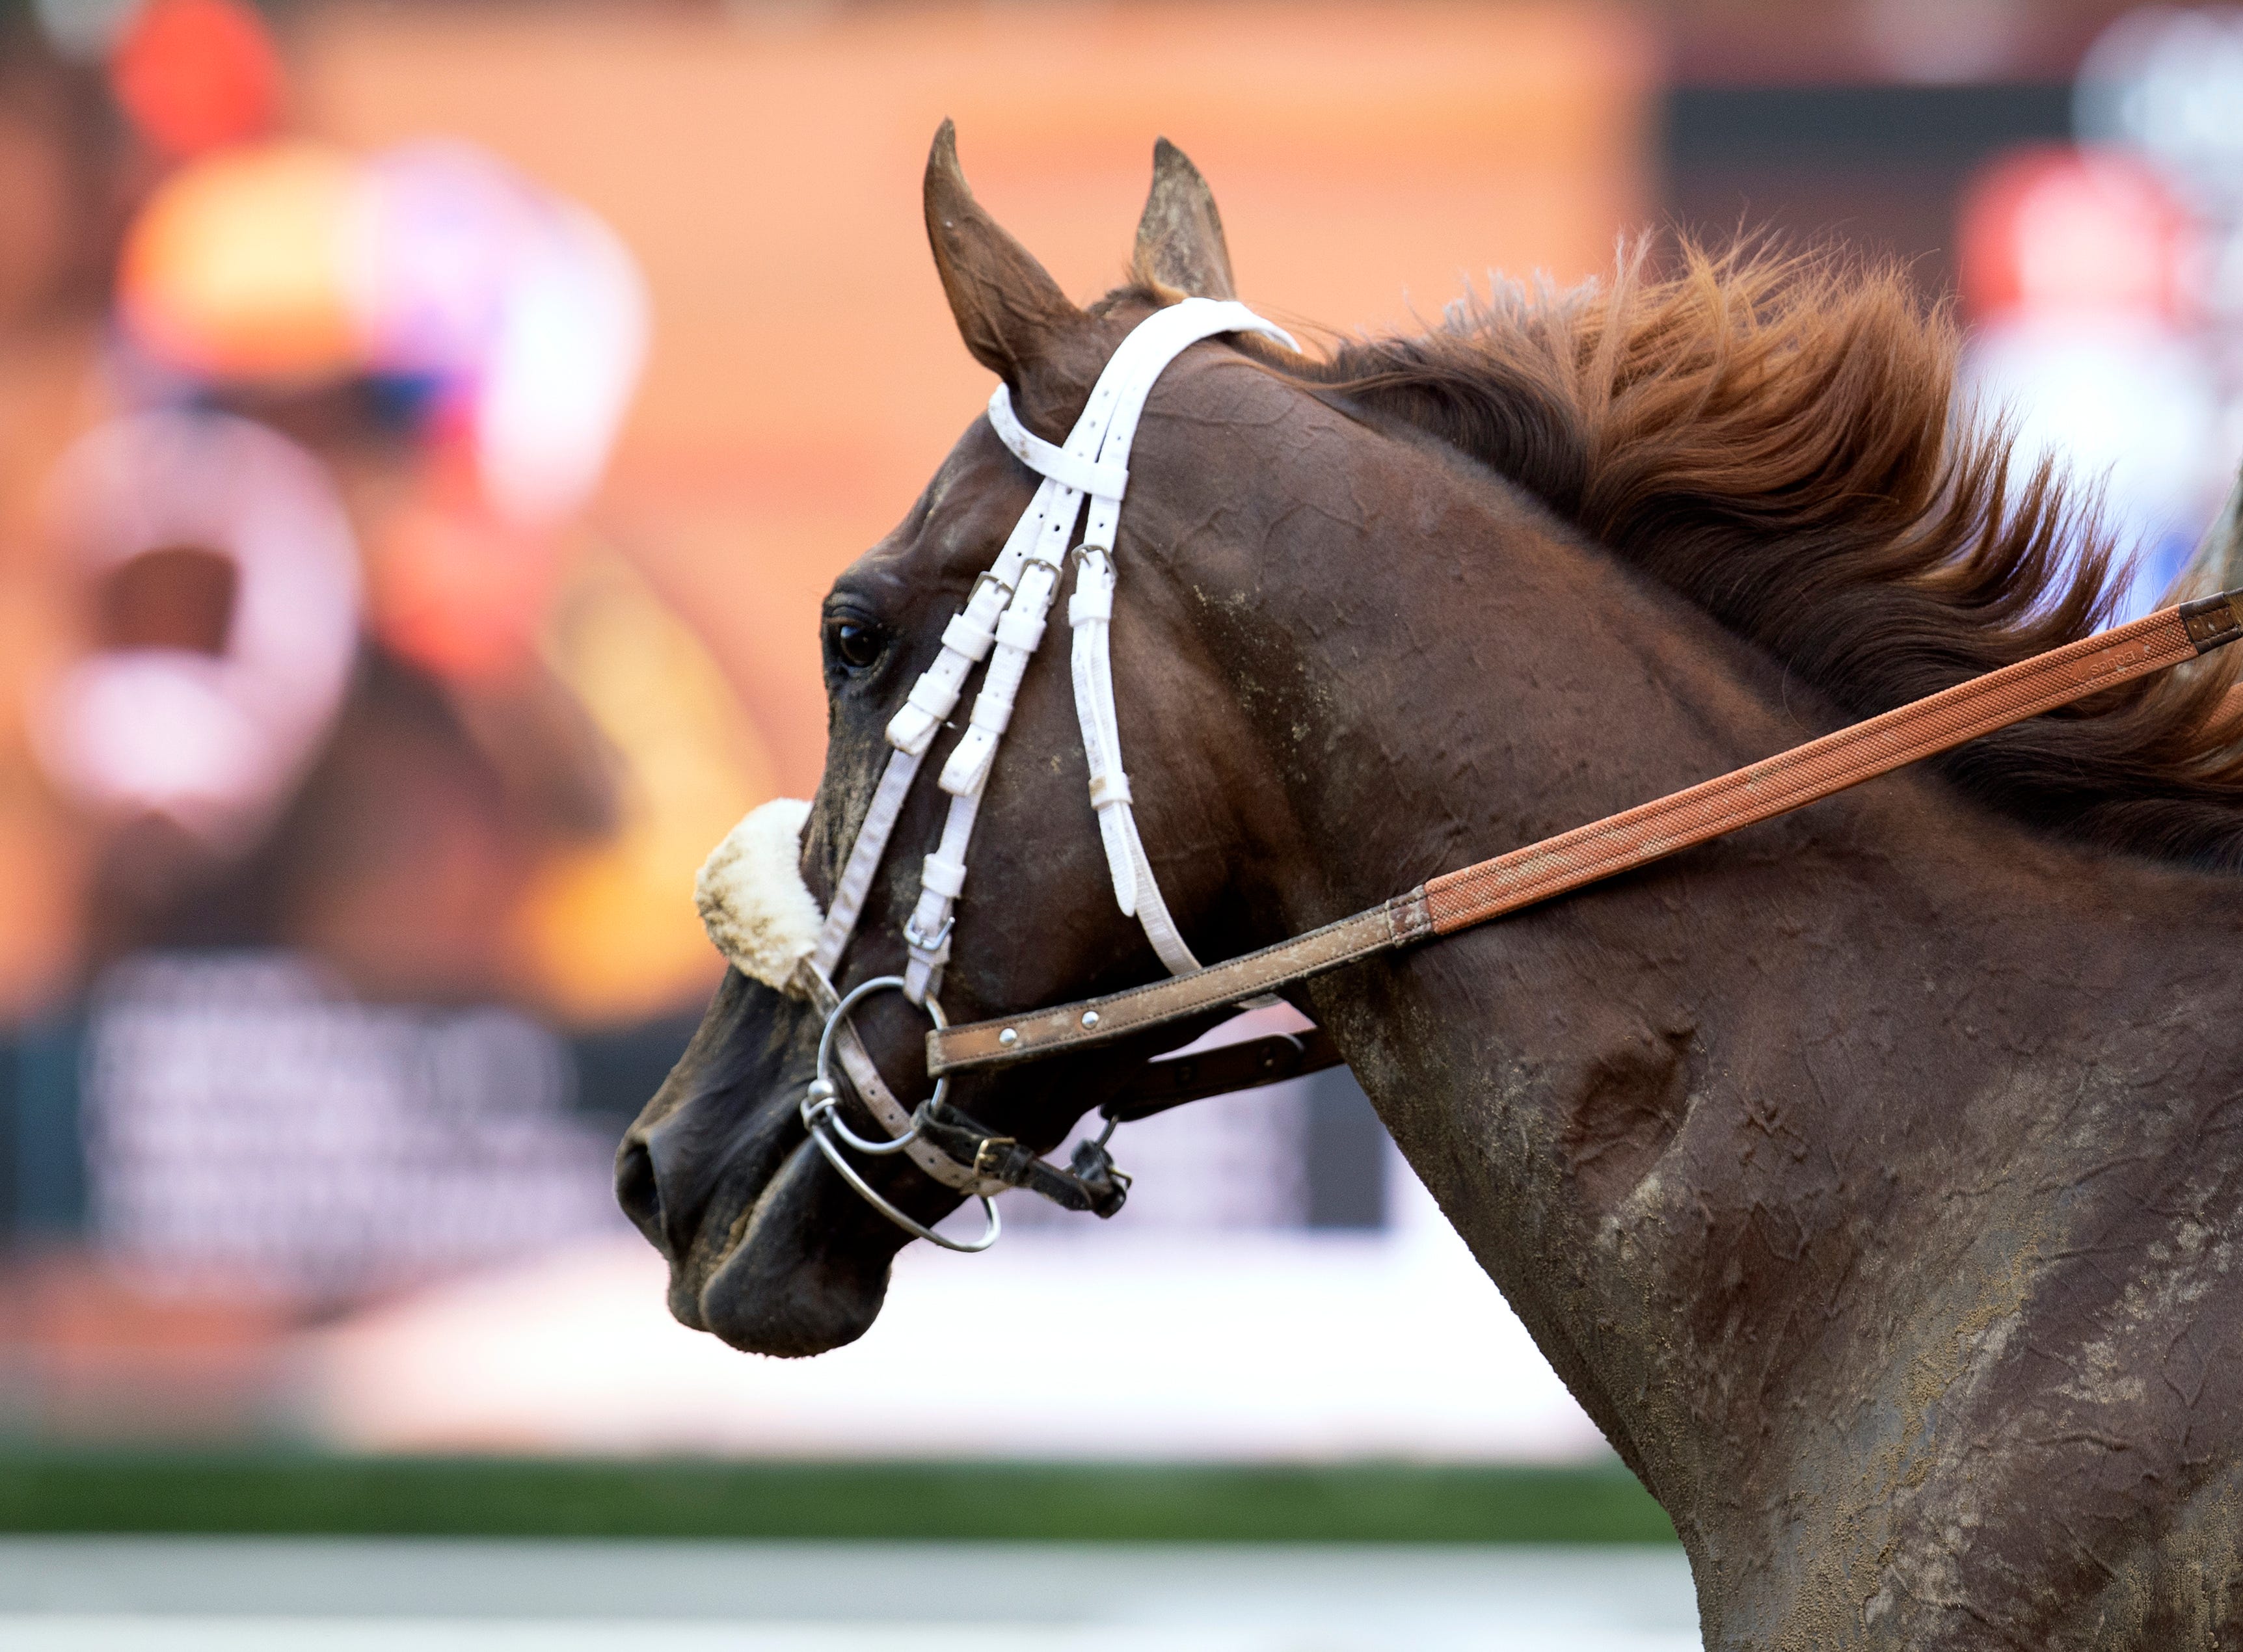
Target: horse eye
856,644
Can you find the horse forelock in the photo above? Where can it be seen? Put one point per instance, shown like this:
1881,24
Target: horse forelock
1778,440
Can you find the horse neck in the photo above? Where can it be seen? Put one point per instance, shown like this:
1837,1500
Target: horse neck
1667,1113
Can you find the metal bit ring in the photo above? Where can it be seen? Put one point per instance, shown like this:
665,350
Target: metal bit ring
821,1113
823,1099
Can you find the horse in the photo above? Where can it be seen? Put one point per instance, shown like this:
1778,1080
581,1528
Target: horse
1871,1174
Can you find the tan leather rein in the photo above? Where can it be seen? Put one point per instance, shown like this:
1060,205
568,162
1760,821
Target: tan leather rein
1603,848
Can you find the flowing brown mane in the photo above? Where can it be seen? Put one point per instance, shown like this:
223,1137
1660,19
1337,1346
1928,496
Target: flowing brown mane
1772,438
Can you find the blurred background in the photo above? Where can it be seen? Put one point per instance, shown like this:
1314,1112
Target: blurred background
426,431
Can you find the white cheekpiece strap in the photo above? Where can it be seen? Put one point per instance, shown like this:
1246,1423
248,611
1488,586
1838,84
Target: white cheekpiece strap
1135,889
863,861
1090,612
967,639
1153,911
927,936
1018,632
1091,465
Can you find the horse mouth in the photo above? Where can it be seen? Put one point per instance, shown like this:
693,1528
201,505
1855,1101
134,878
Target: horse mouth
796,1272
777,1262
768,1249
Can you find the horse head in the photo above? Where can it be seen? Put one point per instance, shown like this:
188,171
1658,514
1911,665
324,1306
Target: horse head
1863,1171
768,1248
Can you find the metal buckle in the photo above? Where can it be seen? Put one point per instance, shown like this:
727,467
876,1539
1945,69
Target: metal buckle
918,942
988,576
1056,564
983,1156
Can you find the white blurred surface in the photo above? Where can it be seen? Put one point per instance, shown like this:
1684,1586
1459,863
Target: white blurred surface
1076,1343
437,1635
247,1596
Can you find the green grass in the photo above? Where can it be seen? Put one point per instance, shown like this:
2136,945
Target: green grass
57,1491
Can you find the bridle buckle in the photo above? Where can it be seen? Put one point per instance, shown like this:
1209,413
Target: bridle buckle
919,943
989,1158
988,576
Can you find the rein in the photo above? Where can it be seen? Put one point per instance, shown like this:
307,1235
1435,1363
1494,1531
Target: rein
1003,622
1507,884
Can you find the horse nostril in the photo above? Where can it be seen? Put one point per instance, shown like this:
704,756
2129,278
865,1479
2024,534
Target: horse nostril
636,1192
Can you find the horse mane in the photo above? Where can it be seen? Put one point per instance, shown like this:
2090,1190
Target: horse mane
1777,439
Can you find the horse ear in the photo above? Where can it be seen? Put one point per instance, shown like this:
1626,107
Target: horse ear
1180,245
1008,308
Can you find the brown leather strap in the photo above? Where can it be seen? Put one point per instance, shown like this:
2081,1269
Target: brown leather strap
1806,774
1245,1066
1557,865
1217,987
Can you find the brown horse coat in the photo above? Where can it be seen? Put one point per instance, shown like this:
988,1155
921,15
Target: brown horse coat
1871,1175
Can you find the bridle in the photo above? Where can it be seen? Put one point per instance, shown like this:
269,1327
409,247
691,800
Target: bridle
1003,622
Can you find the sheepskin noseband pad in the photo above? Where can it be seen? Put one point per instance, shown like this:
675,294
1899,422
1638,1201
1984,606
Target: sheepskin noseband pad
753,899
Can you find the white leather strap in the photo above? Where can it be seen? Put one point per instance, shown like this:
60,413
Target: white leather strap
1084,475
942,875
1119,401
1157,340
1018,631
968,636
968,768
966,643
1135,889
863,861
1152,910
1003,622
1090,612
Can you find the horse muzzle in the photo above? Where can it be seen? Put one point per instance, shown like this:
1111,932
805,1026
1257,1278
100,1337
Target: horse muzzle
766,1249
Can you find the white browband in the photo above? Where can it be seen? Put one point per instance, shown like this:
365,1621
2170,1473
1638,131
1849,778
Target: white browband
1002,622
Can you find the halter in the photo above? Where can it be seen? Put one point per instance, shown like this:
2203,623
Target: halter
1003,622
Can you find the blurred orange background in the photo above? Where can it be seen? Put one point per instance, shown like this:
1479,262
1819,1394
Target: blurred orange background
498,857
805,379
